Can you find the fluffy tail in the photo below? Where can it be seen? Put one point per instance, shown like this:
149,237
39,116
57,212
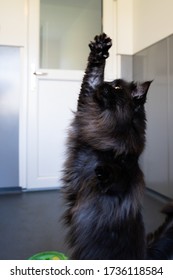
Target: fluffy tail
160,243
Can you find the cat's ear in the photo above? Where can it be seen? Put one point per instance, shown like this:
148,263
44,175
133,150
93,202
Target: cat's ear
139,92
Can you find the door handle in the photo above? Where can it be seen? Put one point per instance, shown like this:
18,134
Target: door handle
39,73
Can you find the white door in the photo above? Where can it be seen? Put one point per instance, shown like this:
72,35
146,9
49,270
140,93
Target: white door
59,32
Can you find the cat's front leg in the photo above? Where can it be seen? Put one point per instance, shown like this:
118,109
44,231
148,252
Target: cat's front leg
94,73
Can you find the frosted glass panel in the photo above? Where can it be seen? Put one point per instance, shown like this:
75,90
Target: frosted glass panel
66,27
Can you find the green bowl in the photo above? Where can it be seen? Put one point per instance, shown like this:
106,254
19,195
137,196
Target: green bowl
50,255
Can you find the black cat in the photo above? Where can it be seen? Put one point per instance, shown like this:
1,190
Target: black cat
103,182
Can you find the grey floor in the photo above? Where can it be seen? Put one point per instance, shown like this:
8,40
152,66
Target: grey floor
30,222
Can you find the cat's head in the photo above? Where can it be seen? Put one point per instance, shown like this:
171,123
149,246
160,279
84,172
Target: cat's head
114,117
120,94
124,101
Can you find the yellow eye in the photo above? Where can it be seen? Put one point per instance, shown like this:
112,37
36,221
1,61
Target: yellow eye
118,87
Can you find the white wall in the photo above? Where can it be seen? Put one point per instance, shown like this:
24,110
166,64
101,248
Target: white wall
141,23
152,21
13,22
125,26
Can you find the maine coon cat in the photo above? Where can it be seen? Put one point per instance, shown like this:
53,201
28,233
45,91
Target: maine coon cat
103,183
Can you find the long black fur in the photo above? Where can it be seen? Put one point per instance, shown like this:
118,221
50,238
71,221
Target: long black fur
103,183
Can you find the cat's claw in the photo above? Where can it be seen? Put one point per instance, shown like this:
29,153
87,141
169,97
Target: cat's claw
100,46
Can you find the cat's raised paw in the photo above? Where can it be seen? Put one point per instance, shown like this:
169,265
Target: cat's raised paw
100,46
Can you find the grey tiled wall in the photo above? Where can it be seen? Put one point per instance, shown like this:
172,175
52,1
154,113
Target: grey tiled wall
156,63
170,112
126,67
9,116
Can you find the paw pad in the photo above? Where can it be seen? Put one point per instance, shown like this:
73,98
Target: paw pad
100,46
